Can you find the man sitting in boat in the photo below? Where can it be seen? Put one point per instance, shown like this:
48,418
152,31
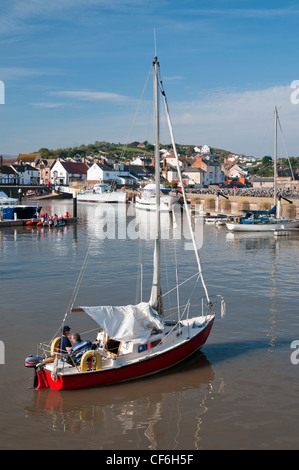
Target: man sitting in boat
79,348
66,345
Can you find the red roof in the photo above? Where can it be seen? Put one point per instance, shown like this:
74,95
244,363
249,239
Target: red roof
75,168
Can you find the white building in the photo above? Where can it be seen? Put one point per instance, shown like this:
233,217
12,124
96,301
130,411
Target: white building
101,172
205,149
119,173
213,173
8,175
196,176
67,172
27,174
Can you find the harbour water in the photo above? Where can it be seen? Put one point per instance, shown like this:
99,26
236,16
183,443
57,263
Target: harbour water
239,392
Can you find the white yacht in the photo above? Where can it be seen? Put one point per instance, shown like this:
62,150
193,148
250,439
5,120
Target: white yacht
102,193
147,199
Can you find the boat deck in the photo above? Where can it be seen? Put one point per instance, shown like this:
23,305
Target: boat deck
164,342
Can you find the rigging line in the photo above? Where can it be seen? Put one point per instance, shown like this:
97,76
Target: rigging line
184,196
166,271
285,147
258,153
177,285
76,289
181,283
191,295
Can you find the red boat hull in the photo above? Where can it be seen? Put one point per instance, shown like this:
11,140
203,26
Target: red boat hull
148,366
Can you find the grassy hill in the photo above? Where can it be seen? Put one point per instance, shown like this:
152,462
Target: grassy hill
120,150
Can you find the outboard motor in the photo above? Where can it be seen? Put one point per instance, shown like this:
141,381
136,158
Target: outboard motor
31,362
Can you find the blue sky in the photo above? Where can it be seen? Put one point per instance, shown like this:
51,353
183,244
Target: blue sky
74,71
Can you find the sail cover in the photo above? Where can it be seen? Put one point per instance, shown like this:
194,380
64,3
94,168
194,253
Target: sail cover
128,323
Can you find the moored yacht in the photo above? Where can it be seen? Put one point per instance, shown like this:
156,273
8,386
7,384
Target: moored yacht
102,193
146,200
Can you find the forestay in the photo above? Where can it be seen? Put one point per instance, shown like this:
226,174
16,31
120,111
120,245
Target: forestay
126,323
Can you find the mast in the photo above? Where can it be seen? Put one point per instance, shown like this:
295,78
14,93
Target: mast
275,155
156,294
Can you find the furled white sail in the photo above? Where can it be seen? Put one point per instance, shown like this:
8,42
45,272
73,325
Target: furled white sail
126,323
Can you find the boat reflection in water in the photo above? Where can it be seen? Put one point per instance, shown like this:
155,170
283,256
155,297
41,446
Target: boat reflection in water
152,414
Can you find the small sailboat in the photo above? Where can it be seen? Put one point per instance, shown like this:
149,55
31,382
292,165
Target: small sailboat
134,340
264,221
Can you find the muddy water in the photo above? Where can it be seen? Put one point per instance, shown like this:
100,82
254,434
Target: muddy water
240,392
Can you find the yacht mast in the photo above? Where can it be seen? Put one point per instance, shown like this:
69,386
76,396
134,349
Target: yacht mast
275,155
156,295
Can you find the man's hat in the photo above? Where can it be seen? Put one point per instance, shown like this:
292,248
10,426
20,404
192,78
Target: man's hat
65,328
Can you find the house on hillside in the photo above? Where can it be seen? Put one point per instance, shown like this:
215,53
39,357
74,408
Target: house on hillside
213,173
67,172
28,159
234,171
205,149
142,160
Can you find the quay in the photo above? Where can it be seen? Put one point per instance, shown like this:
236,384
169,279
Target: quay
232,206
286,232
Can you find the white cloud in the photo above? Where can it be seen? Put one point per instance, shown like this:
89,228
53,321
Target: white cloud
48,105
257,13
238,121
8,73
14,73
86,95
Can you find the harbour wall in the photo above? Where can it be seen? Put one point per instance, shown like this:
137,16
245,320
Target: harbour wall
234,205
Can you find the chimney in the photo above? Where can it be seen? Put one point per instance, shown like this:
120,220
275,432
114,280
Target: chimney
153,161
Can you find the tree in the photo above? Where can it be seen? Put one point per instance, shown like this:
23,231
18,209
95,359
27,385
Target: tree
266,160
44,152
